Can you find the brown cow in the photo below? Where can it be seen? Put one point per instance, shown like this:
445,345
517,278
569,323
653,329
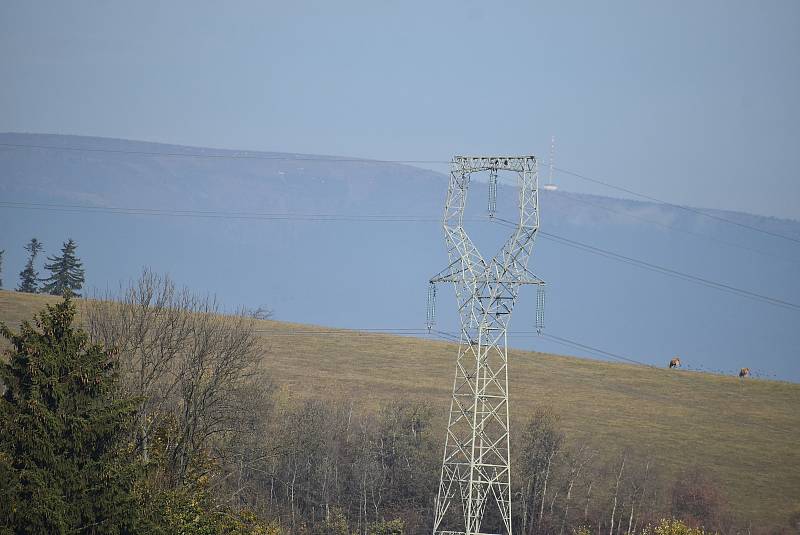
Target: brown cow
675,363
744,372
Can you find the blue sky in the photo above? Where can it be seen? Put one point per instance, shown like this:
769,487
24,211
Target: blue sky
693,102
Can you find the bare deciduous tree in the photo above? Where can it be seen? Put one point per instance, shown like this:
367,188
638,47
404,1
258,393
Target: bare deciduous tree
540,443
616,491
188,365
576,461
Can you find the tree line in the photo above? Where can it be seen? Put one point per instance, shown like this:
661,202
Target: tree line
66,273
154,414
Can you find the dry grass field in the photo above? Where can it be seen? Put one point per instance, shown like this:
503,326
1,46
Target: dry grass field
747,433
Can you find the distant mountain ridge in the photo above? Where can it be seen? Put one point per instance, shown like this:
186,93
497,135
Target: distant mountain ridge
373,274
145,149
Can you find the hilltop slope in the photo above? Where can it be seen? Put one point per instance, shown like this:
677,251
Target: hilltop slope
744,432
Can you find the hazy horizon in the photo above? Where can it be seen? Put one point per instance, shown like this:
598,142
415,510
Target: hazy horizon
691,103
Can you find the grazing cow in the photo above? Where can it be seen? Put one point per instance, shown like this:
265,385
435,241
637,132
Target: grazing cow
744,372
675,363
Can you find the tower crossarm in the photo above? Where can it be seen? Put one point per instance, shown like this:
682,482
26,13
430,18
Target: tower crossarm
487,279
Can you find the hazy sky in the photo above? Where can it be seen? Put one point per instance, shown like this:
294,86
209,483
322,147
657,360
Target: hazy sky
694,102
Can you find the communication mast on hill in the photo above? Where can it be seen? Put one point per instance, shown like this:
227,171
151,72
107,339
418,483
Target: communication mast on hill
476,463
550,186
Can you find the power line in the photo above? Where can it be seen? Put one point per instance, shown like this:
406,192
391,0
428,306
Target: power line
345,331
395,219
576,198
295,216
443,335
451,337
573,343
218,214
231,155
564,342
679,206
286,157
667,271
659,269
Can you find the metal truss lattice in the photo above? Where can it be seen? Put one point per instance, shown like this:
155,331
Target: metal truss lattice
476,464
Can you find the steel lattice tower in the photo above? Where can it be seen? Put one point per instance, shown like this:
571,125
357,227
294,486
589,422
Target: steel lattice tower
476,462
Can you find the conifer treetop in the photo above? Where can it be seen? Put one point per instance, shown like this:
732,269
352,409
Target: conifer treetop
66,272
29,277
63,431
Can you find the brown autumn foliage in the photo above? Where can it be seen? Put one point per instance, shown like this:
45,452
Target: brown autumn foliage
697,500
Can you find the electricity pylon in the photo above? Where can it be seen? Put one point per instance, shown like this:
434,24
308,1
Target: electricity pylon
476,462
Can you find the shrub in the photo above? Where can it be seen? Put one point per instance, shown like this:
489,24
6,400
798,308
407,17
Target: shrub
673,527
335,524
392,527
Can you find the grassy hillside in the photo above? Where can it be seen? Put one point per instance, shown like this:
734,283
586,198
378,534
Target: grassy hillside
745,432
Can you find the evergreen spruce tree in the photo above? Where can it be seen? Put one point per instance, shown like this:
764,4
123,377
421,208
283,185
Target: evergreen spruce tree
1,267
66,272
64,466
29,277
